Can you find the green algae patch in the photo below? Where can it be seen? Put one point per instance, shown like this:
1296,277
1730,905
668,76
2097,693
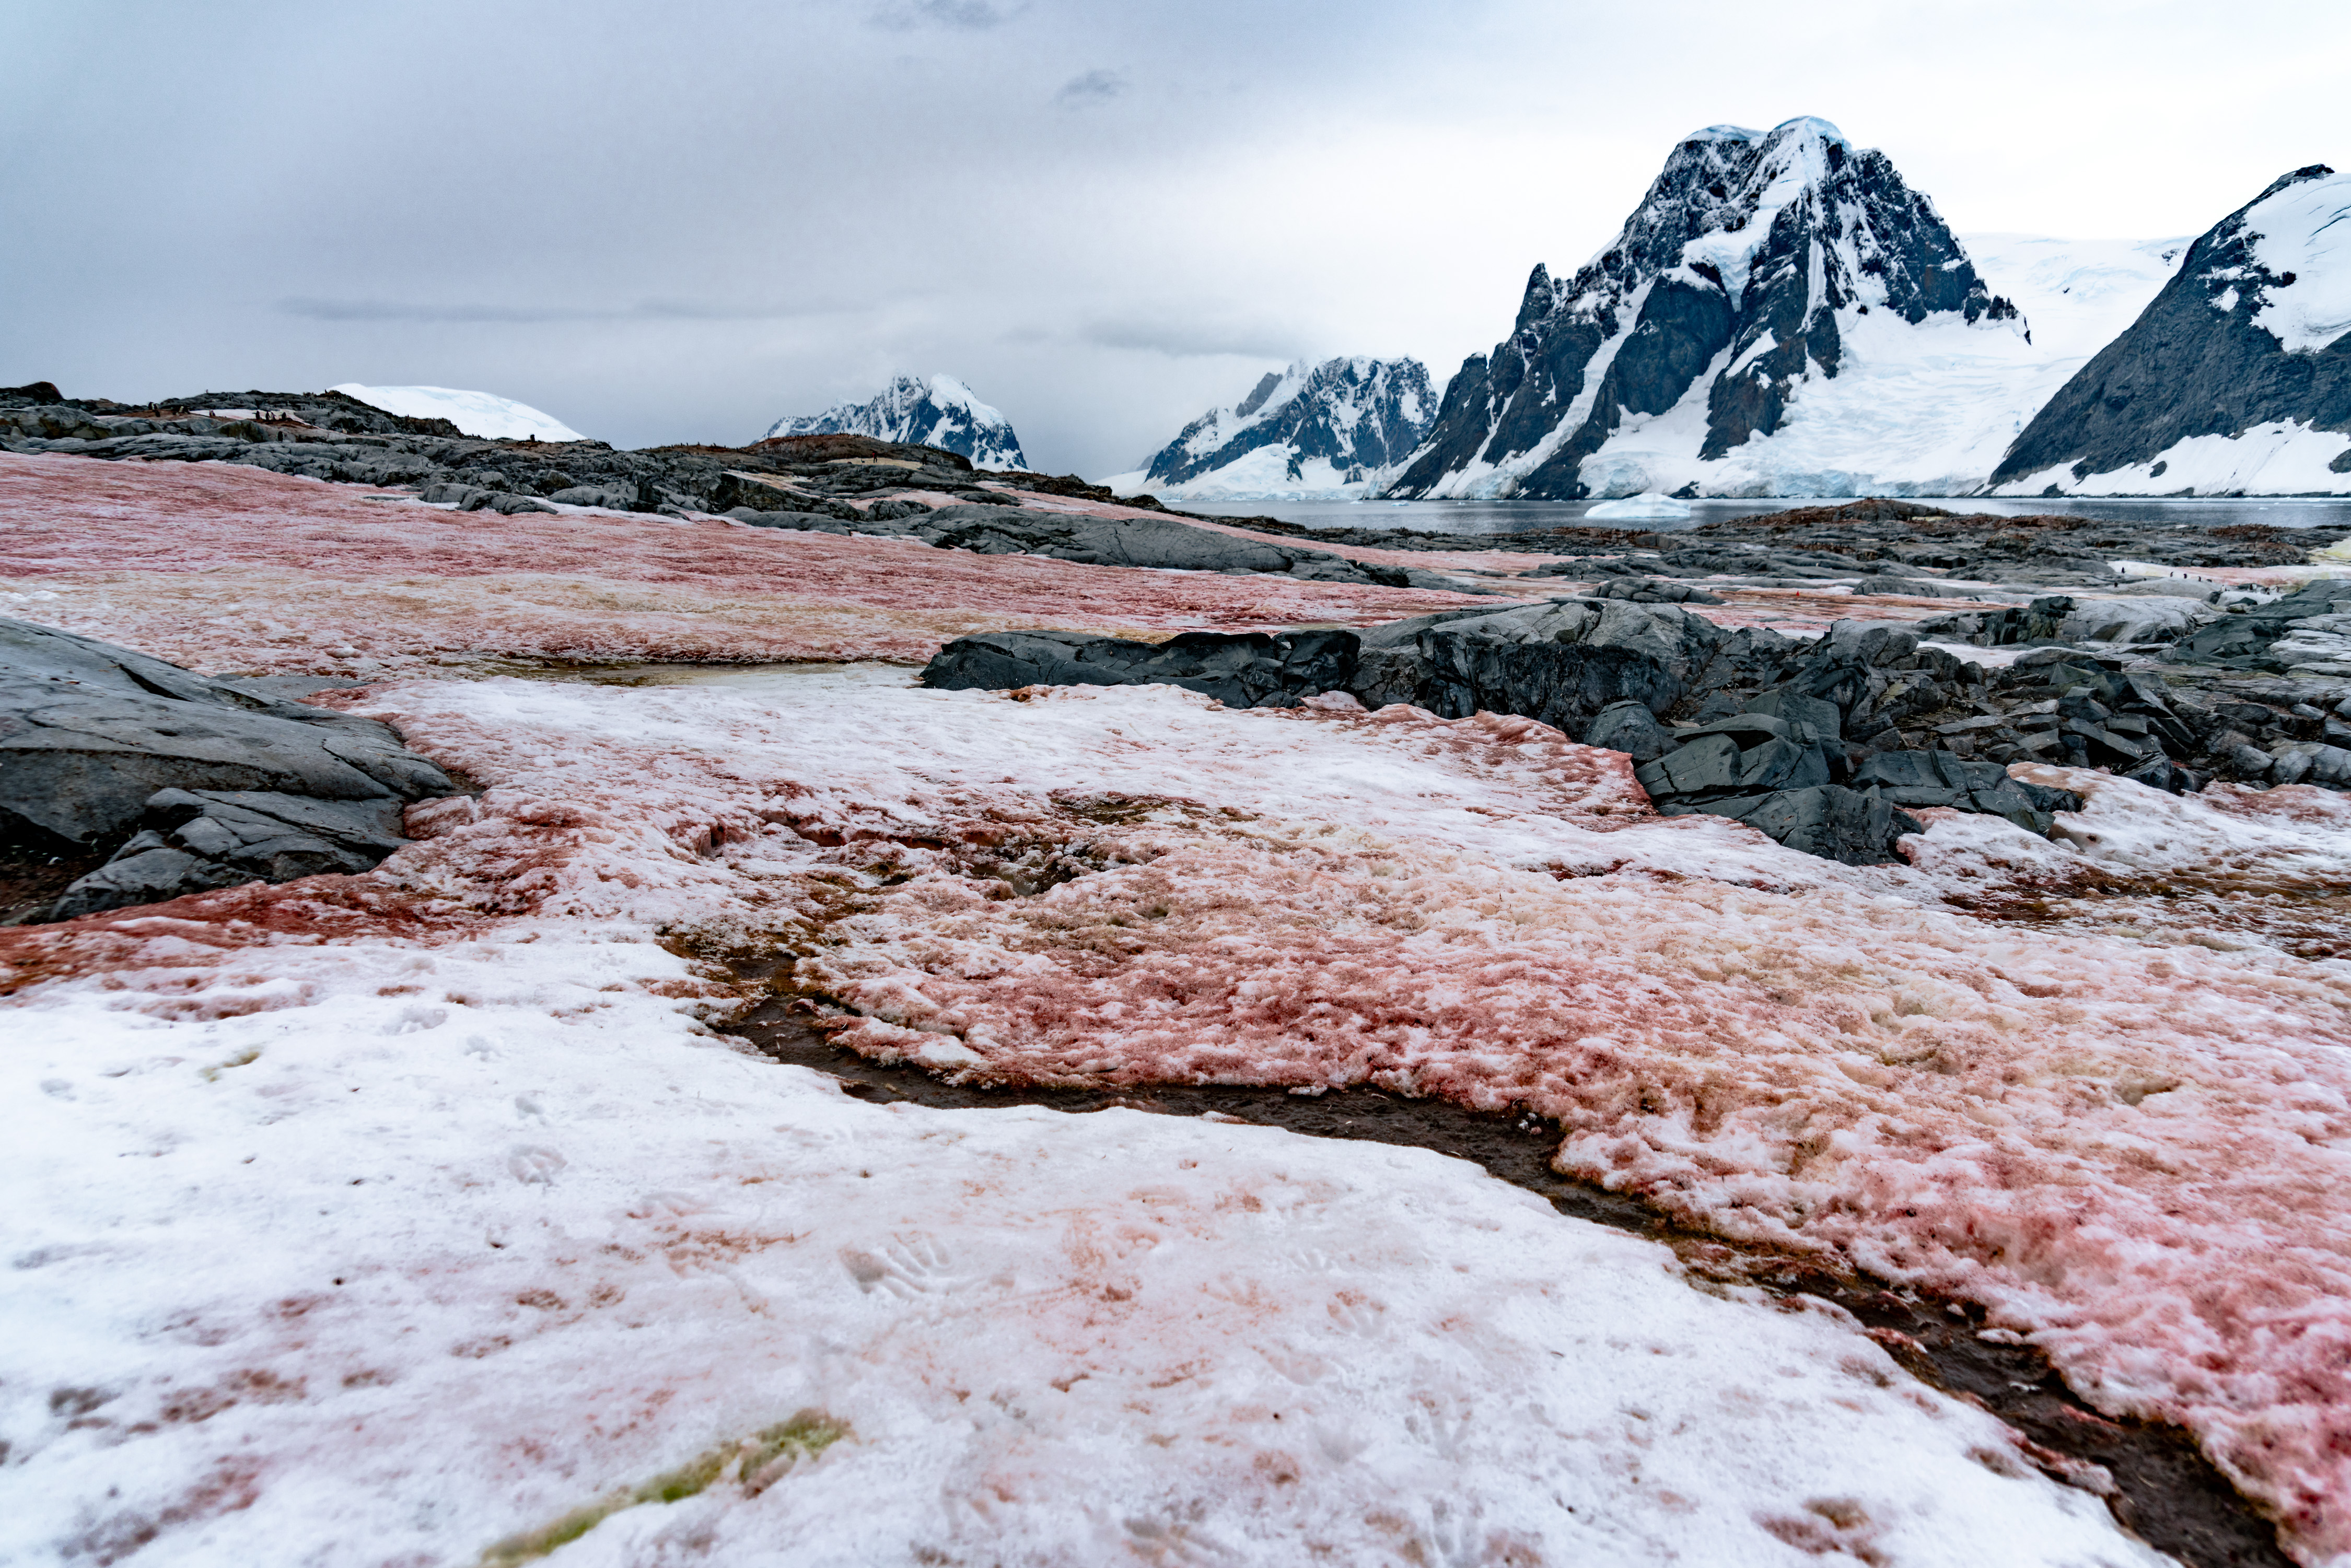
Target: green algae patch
753,1464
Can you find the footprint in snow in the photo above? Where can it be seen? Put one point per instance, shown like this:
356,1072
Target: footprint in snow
905,1269
534,1164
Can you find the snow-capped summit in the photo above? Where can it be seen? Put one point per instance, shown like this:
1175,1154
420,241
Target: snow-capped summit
2236,379
1313,429
940,412
1760,268
479,413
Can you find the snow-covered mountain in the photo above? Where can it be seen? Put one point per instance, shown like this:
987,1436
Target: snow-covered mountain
1311,430
1782,315
940,412
484,414
2236,379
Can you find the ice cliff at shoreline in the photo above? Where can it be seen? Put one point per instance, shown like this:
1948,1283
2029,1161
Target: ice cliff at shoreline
941,411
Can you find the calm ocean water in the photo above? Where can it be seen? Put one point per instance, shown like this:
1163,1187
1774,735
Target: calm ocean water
1518,517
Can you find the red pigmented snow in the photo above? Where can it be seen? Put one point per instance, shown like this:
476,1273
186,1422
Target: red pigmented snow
2131,1147
223,567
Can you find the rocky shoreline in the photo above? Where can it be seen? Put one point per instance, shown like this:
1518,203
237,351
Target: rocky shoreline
1825,746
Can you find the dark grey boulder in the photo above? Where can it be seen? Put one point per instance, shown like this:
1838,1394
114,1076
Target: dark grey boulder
1629,727
611,497
1940,779
146,871
97,743
1825,819
1160,542
1128,542
198,840
1653,591
2312,763
1817,713
1245,670
1751,754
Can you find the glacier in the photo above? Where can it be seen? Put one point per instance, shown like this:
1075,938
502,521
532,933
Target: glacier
477,414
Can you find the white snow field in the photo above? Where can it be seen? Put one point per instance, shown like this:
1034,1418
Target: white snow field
1913,411
479,413
415,1218
2281,457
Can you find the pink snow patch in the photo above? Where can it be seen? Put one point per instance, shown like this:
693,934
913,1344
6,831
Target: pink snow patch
223,567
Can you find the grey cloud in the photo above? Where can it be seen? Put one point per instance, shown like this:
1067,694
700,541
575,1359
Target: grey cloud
645,310
973,15
1192,339
1097,86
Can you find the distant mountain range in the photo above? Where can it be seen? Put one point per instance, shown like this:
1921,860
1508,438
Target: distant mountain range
1783,315
940,412
1313,429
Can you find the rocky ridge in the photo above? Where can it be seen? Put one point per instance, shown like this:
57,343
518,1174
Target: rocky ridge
837,483
1823,745
2242,361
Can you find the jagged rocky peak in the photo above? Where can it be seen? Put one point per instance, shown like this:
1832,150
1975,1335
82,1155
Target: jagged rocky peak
940,412
1312,428
2235,379
1738,277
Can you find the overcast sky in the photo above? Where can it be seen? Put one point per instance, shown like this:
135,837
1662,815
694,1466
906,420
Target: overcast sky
680,222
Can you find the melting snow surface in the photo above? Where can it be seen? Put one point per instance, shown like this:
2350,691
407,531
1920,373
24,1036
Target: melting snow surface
2109,1105
438,1254
456,1233
479,413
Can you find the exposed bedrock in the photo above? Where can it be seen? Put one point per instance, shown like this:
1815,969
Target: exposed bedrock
333,437
188,783
1162,542
1903,545
1820,745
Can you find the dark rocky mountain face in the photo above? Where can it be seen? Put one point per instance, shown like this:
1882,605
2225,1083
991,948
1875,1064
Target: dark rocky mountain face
2217,352
1354,413
1730,275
